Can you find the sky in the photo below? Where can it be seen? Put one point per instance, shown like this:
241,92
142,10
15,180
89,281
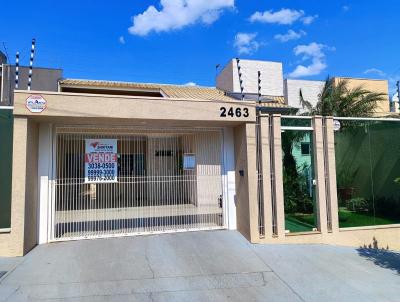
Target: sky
182,41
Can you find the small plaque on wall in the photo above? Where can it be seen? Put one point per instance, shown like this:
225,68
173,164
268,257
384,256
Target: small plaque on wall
189,161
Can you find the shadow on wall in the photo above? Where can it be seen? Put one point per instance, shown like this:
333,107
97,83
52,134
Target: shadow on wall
381,256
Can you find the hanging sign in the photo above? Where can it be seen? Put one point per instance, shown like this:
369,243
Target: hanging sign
35,103
101,160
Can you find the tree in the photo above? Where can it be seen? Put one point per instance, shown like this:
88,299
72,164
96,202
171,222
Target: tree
337,99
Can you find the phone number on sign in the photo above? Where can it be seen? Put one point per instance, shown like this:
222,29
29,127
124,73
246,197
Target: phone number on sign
100,172
101,166
100,178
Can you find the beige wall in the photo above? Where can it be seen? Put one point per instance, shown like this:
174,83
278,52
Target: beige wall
379,86
125,107
23,234
246,185
386,237
31,190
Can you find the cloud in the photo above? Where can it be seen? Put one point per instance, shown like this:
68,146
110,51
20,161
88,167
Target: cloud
375,71
313,52
309,19
176,14
190,84
284,16
290,35
245,43
121,40
345,8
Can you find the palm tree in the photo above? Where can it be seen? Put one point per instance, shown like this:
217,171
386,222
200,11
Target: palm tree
337,99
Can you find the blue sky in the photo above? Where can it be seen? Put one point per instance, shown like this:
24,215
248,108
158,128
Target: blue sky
181,41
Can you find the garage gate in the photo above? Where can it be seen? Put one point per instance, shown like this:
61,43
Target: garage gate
167,180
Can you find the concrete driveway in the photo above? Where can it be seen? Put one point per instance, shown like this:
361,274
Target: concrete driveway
200,266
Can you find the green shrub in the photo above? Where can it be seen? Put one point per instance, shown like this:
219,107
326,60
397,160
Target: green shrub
357,204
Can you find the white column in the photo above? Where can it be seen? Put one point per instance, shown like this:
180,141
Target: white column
228,178
44,171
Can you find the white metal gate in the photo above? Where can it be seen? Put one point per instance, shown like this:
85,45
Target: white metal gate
168,180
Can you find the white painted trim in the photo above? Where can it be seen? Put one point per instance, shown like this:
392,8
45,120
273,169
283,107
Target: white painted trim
297,128
7,107
229,188
299,117
52,191
367,119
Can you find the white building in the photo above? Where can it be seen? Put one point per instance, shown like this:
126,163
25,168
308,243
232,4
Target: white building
310,90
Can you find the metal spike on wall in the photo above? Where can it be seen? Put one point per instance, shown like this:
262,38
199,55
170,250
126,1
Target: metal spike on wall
31,64
16,69
259,86
240,78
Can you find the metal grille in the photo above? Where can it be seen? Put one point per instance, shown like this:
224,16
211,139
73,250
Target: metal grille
260,188
155,191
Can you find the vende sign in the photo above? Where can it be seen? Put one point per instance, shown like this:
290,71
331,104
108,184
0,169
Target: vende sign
101,161
101,158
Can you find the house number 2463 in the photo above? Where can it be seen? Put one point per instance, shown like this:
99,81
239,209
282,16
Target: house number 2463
232,112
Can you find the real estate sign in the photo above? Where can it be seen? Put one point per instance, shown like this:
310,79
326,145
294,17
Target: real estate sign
101,161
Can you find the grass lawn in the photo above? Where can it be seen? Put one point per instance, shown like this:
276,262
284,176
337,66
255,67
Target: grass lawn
349,219
299,222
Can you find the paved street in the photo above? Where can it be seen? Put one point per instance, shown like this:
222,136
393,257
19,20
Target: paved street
199,266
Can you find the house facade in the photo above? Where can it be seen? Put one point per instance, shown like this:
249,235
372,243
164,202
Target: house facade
98,159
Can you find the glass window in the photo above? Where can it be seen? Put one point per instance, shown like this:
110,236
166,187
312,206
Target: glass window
305,149
368,172
296,122
298,177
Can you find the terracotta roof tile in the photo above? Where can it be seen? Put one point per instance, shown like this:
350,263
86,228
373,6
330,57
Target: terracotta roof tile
174,91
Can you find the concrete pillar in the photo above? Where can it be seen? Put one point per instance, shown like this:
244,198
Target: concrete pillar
246,181
20,150
331,171
319,171
278,175
265,157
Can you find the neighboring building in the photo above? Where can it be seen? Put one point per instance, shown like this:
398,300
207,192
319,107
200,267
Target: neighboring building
379,86
395,103
271,83
311,91
271,77
45,79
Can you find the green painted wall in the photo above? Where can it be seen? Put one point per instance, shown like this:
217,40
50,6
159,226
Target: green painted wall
6,133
